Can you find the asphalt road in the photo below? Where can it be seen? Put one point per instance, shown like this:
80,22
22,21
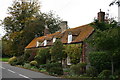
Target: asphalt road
14,73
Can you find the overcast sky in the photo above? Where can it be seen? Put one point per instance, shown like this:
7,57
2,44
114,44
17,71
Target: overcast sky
76,12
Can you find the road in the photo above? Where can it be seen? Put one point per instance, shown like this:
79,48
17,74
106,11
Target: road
14,73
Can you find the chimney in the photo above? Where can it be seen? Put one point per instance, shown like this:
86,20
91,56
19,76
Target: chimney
63,25
46,30
101,16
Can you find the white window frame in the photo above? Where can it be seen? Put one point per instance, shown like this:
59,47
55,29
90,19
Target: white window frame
54,39
45,42
37,43
69,38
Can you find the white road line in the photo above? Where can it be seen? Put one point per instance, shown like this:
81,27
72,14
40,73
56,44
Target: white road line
17,73
11,71
23,76
2,67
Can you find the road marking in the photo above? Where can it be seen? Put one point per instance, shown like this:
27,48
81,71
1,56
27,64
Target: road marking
2,67
11,71
23,76
19,74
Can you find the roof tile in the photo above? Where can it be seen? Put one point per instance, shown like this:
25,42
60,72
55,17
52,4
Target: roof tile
79,33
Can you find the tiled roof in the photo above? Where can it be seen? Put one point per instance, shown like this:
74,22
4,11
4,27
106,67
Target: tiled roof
85,31
33,43
79,34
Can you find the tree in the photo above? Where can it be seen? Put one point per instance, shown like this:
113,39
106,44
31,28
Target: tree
20,14
51,20
107,40
100,60
43,56
115,2
104,25
57,51
25,23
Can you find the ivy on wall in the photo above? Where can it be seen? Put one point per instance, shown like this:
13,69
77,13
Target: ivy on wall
74,51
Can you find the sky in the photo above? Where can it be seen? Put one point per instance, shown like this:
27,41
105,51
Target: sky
75,12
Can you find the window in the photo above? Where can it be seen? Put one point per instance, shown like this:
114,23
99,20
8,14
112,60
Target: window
37,44
69,37
54,39
45,42
68,61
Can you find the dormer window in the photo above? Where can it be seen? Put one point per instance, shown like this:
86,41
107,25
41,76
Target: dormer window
69,37
45,42
37,43
54,39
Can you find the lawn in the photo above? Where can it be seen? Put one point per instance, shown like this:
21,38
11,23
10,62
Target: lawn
4,59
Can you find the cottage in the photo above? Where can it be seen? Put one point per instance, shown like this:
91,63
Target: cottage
70,36
75,35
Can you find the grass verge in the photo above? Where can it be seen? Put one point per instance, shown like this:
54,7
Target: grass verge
4,59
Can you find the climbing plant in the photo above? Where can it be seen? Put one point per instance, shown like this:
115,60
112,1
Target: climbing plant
74,51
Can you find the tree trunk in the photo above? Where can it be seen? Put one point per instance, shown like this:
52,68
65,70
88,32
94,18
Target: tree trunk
112,66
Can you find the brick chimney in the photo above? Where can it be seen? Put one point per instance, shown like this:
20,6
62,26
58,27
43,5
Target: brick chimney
63,25
101,16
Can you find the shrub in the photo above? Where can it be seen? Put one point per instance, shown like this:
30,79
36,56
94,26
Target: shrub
32,55
75,69
50,65
100,60
82,64
27,65
20,60
26,55
117,72
78,68
54,68
91,72
57,53
33,63
12,61
105,74
42,56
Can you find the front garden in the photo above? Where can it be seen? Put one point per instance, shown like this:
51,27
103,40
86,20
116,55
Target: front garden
53,61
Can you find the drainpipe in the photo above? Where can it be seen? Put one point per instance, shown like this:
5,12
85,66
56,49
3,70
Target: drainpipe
83,52
83,56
